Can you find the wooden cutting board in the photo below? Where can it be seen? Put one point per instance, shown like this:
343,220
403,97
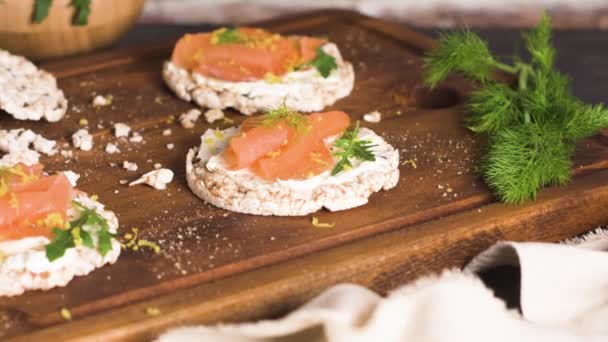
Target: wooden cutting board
221,266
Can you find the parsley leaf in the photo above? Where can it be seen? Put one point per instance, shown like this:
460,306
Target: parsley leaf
76,234
323,62
63,241
350,146
41,10
227,36
83,10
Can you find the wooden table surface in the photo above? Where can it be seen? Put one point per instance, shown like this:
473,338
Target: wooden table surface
381,261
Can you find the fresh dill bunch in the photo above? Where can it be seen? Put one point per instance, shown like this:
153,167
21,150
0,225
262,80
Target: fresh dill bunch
493,108
533,125
462,52
524,158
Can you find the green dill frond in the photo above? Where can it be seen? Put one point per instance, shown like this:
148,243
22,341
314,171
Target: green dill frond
272,116
462,52
538,44
348,147
493,108
524,158
586,121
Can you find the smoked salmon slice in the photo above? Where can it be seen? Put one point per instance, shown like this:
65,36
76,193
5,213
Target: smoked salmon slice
301,158
282,151
250,53
35,207
244,149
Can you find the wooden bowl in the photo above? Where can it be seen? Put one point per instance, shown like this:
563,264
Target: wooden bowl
56,36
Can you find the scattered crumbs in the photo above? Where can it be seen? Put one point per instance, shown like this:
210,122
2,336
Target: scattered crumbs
111,148
113,164
116,191
399,113
373,117
213,115
317,223
449,190
170,146
136,138
95,198
121,130
439,186
65,314
101,101
82,140
158,166
83,122
158,100
68,154
170,119
123,181
188,118
152,311
131,167
158,179
167,132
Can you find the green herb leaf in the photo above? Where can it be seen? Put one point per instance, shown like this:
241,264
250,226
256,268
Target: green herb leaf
83,10
586,121
227,36
533,126
272,116
41,10
493,108
323,62
80,231
462,52
525,158
63,241
349,146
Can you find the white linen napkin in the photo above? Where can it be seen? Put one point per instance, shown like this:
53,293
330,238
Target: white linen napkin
564,297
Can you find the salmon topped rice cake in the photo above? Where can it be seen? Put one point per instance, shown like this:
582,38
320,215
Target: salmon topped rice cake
251,69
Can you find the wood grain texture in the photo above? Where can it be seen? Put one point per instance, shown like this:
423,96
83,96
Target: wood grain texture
218,265
56,36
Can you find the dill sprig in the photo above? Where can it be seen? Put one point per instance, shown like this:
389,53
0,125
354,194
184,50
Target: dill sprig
78,232
532,126
275,115
351,147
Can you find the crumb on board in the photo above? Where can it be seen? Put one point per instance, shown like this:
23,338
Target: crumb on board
170,146
82,140
158,179
121,130
111,148
188,119
373,117
101,101
213,115
167,132
129,166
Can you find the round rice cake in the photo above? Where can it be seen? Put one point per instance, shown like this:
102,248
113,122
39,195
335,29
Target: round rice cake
29,93
25,266
242,191
303,90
